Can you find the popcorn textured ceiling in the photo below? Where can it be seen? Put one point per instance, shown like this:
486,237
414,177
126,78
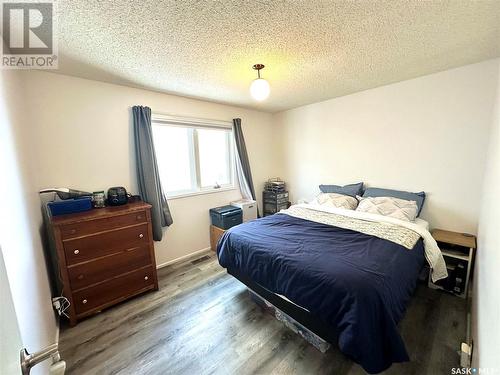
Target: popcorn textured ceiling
313,50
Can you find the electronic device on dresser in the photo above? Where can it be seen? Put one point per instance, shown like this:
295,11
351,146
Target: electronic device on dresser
104,256
117,196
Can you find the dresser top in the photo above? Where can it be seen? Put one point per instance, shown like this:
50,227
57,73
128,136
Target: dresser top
100,213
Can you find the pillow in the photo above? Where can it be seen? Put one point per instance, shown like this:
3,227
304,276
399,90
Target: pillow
379,192
336,200
388,206
352,189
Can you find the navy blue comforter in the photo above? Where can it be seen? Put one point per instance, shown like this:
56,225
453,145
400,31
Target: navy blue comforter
355,283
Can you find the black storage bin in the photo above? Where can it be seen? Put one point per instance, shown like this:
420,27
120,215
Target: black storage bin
226,217
457,274
274,202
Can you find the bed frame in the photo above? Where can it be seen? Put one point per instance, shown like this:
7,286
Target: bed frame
302,316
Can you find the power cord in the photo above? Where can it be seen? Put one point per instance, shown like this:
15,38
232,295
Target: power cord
61,304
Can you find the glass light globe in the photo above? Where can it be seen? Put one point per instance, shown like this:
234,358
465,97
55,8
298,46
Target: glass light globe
259,89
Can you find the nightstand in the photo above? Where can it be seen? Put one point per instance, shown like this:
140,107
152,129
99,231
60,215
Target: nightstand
458,250
215,234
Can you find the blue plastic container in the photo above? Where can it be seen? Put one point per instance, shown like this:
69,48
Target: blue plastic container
70,206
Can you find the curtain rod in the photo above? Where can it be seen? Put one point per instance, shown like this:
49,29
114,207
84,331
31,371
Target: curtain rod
176,119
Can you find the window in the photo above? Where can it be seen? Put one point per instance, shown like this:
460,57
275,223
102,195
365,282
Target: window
194,156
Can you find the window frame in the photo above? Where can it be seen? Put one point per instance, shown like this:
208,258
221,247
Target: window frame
194,124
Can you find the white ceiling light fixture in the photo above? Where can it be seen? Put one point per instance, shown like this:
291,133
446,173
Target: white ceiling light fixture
259,89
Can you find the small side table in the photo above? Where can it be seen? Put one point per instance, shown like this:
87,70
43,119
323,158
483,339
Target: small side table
458,250
215,234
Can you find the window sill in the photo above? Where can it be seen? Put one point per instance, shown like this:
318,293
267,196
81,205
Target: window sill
203,192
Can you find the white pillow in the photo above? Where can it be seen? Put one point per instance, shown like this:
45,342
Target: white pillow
389,206
336,200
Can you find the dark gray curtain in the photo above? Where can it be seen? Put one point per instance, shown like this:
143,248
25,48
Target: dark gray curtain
148,178
243,171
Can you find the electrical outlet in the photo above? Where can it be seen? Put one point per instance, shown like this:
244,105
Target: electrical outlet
465,355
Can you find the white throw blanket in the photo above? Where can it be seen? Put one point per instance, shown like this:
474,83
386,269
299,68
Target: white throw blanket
432,252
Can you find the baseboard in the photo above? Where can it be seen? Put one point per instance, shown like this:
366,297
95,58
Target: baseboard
183,258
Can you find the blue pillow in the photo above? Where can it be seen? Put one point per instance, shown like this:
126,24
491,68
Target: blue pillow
380,192
351,190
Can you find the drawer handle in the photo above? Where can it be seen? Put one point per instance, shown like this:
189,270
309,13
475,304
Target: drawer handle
72,231
84,301
76,252
80,277
139,217
146,278
141,235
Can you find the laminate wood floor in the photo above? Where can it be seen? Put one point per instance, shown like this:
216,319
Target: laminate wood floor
202,321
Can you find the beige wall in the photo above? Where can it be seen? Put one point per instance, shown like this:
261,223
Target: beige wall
83,130
428,133
486,301
20,222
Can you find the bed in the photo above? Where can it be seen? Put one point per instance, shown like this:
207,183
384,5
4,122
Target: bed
346,275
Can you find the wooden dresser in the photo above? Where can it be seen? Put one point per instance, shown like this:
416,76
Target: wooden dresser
104,256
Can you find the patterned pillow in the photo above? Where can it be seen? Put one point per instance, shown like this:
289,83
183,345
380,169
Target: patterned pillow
336,200
380,192
389,206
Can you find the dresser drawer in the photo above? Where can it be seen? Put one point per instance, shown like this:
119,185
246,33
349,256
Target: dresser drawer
98,225
112,291
86,248
94,271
